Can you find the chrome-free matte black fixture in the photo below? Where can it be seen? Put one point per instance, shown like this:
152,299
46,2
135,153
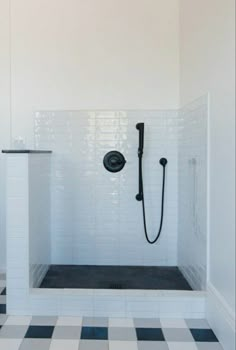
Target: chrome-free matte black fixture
140,195
114,161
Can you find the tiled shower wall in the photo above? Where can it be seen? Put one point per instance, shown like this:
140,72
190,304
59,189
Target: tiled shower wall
95,217
39,216
192,189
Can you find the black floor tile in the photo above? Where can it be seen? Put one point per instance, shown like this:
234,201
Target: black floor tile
115,277
98,333
203,335
39,332
150,334
4,291
3,309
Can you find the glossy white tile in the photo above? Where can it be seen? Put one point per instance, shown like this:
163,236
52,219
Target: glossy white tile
83,192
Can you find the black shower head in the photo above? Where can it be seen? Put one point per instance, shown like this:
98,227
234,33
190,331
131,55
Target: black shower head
140,127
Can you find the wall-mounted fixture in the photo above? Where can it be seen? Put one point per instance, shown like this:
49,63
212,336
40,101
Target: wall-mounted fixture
140,195
114,161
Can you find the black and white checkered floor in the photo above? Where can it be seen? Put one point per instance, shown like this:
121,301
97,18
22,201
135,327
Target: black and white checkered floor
76,333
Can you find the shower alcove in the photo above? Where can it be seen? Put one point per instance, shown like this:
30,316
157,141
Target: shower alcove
75,240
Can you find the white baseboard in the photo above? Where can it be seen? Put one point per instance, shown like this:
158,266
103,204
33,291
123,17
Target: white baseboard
221,318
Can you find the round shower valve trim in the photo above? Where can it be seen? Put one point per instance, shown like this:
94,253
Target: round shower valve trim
114,161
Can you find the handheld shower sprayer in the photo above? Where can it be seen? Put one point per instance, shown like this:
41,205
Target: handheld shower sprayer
140,195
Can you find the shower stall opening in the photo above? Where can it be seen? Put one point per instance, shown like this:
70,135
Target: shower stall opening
97,233
79,229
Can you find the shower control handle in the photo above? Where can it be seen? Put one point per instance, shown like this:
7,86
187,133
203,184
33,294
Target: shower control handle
114,161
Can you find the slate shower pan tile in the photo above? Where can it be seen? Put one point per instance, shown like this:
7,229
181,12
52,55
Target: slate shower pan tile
115,277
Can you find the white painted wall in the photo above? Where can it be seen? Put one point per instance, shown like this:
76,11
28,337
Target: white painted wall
192,192
4,115
207,47
93,54
76,54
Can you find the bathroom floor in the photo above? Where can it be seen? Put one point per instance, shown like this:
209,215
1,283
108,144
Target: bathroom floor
115,277
86,333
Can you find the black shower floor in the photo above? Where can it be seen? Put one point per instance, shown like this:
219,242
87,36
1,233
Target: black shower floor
114,277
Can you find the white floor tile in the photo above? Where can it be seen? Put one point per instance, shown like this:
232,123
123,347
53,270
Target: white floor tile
18,321
93,345
121,322
69,321
182,346
123,345
10,344
3,299
209,346
61,344
173,323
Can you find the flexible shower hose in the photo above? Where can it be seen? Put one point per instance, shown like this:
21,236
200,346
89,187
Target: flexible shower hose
163,162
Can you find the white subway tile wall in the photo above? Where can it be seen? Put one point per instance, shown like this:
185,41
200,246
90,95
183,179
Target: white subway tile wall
192,189
17,232
28,229
28,226
95,217
39,217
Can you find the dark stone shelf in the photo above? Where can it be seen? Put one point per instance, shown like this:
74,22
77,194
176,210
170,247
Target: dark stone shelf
24,151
